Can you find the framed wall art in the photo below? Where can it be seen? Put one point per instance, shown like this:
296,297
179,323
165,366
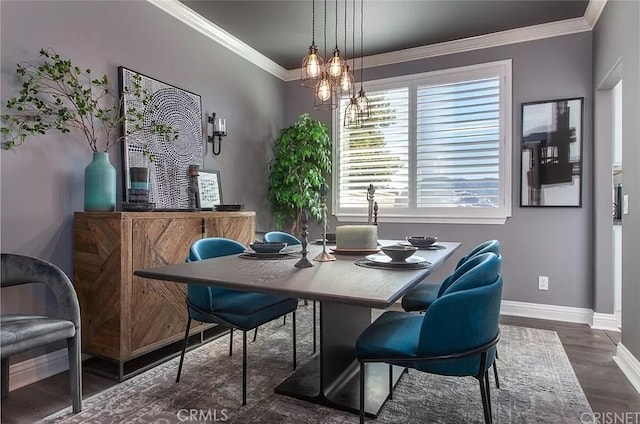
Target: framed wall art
209,188
168,179
551,142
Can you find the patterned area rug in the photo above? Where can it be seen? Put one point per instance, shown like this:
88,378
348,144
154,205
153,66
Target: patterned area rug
536,379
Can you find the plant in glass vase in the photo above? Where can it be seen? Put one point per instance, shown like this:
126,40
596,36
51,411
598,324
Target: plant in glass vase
56,95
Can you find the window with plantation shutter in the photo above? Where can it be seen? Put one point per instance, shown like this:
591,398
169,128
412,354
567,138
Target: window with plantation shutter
437,148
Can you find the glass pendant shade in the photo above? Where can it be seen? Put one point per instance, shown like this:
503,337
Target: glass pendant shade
324,96
335,64
363,105
312,67
352,117
346,81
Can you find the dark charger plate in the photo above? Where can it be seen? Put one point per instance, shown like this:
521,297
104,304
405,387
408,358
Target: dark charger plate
231,207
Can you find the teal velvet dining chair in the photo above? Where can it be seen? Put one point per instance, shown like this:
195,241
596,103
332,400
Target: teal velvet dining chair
282,237
423,294
456,336
234,309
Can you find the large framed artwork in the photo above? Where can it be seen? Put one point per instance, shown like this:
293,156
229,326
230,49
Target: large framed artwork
209,188
168,177
551,141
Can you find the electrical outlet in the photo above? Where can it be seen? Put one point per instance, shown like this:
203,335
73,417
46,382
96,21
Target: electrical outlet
543,283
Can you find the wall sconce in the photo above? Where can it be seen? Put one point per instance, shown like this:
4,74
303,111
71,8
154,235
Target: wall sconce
219,130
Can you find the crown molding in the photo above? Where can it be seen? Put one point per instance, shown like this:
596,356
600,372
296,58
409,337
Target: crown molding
219,35
496,39
593,12
535,32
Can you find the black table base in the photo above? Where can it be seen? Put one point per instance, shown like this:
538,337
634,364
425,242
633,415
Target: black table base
333,378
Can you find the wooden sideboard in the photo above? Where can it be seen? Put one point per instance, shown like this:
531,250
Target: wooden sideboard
125,316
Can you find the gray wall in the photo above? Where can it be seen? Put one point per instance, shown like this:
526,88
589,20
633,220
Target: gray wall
536,241
616,36
42,181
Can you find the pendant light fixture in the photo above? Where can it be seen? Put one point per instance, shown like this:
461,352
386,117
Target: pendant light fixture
312,64
335,65
324,90
346,80
363,101
352,119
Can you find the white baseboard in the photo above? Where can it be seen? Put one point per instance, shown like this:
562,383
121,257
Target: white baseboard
38,368
550,312
629,365
605,322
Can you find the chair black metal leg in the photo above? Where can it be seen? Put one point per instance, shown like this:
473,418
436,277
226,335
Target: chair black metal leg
362,392
255,334
75,372
485,405
184,348
295,363
230,341
306,302
244,368
495,374
5,377
284,319
488,389
390,382
314,327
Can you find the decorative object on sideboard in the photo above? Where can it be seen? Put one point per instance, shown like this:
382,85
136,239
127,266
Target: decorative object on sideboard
552,153
219,130
324,256
301,162
58,95
194,198
171,106
209,188
304,262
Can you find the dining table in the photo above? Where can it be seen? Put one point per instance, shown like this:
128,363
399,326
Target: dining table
347,293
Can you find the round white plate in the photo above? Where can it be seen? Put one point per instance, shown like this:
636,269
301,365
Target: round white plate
384,259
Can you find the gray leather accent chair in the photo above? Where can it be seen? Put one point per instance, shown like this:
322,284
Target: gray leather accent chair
22,332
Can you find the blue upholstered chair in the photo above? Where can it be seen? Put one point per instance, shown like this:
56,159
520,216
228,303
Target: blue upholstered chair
235,309
282,237
23,332
457,335
423,294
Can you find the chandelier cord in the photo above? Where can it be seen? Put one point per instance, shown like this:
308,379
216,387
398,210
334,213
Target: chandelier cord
336,24
353,41
325,28
313,22
345,32
361,42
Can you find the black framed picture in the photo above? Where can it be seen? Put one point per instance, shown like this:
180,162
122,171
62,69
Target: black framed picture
551,142
168,178
209,188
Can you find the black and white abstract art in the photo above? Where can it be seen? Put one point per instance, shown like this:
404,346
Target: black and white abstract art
552,153
169,105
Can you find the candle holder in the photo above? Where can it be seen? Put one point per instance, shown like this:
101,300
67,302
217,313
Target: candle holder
324,256
375,213
304,262
370,192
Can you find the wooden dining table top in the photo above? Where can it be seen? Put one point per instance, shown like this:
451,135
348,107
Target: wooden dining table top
339,281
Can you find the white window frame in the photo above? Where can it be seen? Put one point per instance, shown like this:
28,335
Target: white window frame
445,215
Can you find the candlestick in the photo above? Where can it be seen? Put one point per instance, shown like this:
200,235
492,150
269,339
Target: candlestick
324,256
375,213
370,192
304,262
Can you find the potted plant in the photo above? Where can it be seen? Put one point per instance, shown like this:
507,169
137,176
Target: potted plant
56,95
302,158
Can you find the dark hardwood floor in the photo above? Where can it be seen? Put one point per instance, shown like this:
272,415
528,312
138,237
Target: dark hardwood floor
590,352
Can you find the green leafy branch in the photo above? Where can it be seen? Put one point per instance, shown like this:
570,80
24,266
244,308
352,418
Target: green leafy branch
58,95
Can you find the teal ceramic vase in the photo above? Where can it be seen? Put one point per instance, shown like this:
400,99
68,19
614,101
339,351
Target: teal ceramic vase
100,184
